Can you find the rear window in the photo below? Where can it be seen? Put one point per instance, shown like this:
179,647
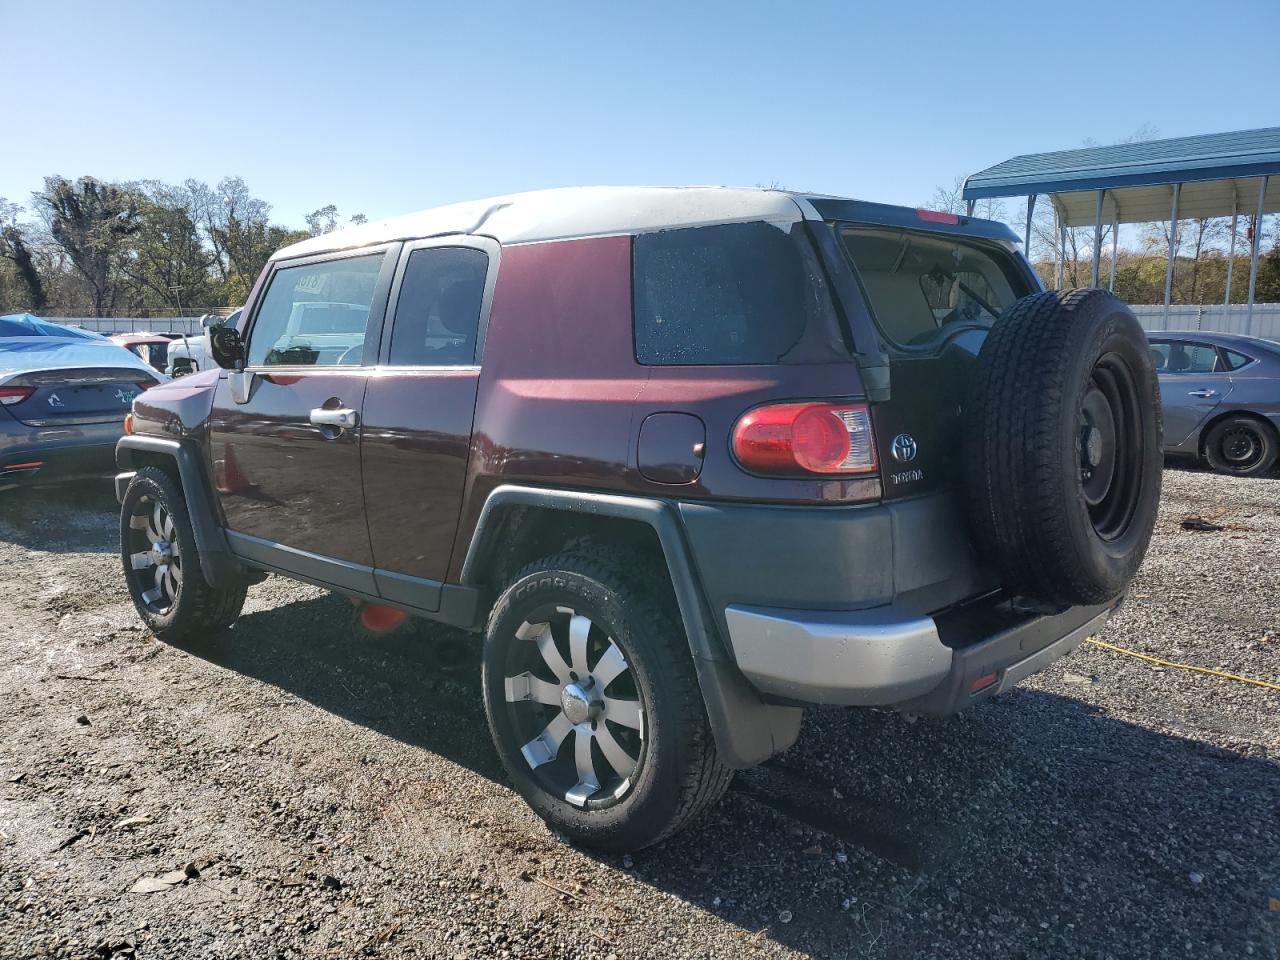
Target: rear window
727,294
920,284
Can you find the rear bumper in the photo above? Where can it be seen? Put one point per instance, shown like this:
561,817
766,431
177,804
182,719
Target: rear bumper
36,456
886,657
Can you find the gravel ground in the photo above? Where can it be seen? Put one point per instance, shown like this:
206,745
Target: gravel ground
287,790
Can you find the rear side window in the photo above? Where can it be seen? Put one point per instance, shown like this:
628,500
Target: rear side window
438,311
920,284
315,314
1179,356
727,294
1235,360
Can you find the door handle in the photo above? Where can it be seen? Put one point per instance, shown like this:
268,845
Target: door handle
343,418
1202,393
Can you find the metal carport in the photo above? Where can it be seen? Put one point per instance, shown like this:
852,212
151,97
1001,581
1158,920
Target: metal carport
1213,175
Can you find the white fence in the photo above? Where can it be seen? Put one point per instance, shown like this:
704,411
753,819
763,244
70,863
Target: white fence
109,325
1216,317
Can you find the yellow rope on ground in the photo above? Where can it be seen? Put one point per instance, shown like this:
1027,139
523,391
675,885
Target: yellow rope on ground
1184,666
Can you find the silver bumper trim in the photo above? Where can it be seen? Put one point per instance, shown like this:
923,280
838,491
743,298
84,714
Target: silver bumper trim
851,658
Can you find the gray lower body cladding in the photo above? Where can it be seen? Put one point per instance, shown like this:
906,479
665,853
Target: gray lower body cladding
877,605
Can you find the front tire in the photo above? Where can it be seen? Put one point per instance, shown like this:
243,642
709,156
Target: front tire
1241,447
594,706
161,565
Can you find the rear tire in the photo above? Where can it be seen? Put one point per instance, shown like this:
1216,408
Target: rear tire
1063,448
161,565
638,762
1241,446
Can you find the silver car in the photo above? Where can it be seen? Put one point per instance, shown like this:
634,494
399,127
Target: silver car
1221,396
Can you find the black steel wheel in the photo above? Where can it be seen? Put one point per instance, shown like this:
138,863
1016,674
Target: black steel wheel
1062,452
1241,445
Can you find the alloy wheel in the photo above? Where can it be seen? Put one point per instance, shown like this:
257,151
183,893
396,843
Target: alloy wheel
580,718
154,554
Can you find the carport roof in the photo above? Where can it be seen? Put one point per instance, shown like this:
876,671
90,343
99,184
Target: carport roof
1220,174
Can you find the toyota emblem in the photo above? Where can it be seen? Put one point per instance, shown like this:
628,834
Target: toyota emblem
904,448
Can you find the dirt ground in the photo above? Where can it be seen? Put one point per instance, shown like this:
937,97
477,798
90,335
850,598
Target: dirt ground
286,790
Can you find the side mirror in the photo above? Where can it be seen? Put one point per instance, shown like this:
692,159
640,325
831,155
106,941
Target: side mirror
211,320
226,348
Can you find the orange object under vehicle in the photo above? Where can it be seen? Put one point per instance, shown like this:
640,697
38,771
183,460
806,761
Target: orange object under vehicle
376,618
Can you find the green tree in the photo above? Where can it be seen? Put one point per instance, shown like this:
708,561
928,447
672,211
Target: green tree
168,265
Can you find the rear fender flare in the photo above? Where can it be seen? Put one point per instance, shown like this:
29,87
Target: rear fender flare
747,730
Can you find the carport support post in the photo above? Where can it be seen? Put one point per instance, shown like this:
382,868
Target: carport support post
1026,234
1253,253
1173,249
1097,239
1115,243
1231,256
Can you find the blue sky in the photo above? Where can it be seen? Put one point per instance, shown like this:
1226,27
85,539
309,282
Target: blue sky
383,107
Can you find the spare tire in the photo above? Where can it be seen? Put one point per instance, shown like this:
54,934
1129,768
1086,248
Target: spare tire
1063,447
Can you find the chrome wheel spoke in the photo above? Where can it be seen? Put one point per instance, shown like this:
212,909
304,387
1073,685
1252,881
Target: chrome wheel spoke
579,631
140,561
168,528
545,746
624,712
588,783
541,633
622,762
609,666
528,687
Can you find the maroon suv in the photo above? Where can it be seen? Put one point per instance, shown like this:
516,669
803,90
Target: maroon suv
689,459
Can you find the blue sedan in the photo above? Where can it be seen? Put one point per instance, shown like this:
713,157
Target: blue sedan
63,398
1221,398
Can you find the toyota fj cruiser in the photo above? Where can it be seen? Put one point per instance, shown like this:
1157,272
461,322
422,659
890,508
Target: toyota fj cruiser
690,459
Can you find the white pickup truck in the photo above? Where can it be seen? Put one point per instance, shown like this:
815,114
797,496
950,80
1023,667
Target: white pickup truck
189,354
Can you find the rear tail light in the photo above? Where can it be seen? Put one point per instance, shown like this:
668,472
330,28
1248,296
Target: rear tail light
791,438
11,395
128,424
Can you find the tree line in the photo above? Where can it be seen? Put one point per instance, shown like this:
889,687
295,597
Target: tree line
91,247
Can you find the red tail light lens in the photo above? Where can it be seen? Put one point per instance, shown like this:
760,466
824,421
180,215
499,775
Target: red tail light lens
937,216
147,384
11,395
791,438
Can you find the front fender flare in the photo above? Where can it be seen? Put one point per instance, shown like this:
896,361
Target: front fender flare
221,569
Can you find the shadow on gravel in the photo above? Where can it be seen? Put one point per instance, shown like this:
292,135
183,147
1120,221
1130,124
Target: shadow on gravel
79,517
1034,824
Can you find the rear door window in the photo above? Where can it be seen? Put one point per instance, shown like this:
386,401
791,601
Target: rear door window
1180,356
920,284
315,314
438,311
733,293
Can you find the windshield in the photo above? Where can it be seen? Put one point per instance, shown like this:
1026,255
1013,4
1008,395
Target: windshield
920,284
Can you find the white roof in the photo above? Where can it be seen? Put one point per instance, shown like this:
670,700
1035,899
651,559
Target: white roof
568,212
